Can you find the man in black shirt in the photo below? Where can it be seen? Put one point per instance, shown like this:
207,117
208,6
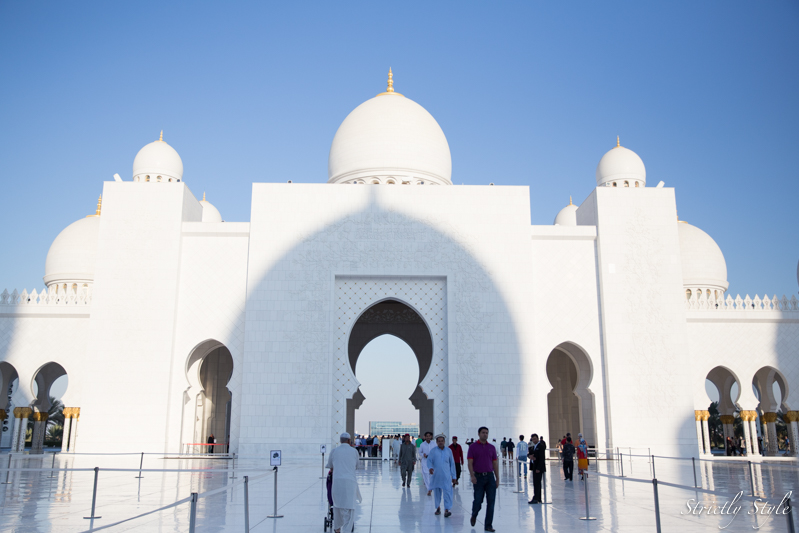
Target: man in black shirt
539,466
568,459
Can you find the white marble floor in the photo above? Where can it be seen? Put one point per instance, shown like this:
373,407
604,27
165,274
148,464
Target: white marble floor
34,501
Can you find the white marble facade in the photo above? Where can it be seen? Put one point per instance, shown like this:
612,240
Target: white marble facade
637,304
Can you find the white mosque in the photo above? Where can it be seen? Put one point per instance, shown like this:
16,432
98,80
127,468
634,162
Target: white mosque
173,324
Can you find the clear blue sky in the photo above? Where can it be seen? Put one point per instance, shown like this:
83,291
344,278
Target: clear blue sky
532,93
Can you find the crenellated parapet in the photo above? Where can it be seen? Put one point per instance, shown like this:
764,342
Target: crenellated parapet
53,296
710,303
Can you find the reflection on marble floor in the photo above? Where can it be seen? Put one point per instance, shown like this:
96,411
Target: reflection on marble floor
34,501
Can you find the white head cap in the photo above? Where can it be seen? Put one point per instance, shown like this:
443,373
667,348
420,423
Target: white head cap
345,436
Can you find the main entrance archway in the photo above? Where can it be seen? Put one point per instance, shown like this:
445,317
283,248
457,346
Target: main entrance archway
391,317
571,402
412,309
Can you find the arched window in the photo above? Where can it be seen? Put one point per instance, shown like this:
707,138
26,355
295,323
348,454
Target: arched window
626,183
614,183
375,182
637,183
158,179
391,182
147,178
687,294
170,180
136,178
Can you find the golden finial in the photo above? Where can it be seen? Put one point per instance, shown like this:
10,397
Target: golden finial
617,141
161,138
99,207
390,88
570,201
203,196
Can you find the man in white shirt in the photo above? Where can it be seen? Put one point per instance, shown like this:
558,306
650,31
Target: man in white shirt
424,451
521,456
343,462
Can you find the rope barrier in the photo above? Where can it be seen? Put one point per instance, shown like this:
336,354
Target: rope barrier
179,502
685,487
132,470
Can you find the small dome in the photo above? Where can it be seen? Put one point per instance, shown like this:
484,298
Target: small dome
157,161
567,216
620,167
210,213
703,264
390,139
73,253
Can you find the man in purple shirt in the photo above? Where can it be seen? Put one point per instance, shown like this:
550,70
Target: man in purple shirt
484,471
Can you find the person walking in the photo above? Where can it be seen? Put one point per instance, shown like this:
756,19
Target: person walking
510,447
211,442
568,459
343,462
539,467
521,457
484,474
582,456
424,451
457,456
406,460
396,443
503,446
442,474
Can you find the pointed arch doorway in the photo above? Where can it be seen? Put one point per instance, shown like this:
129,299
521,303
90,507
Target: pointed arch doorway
392,317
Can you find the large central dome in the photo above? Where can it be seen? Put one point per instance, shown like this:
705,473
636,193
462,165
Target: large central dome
390,139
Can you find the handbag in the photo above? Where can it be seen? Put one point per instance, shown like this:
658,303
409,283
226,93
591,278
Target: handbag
582,463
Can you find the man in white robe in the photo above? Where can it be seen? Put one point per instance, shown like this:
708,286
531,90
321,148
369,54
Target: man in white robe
442,474
397,443
343,462
424,450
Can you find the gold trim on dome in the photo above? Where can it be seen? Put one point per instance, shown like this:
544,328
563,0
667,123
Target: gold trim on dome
99,207
390,87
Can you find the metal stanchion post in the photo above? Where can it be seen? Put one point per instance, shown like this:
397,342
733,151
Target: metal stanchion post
654,474
518,480
323,466
52,468
544,487
751,478
275,515
587,514
141,464
193,513
8,472
657,504
94,495
233,474
789,514
693,462
246,504
621,463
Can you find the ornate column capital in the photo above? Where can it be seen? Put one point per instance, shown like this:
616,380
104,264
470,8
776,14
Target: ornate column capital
71,412
701,415
748,416
770,418
727,419
791,416
40,416
22,412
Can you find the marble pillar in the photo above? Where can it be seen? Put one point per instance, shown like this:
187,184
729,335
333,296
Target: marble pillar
20,430
792,419
39,430
772,447
706,432
73,434
749,419
67,423
699,440
728,422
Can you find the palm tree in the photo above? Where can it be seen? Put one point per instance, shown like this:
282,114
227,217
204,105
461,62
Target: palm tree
55,415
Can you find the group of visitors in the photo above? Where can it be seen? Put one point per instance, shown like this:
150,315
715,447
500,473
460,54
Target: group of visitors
442,466
566,452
